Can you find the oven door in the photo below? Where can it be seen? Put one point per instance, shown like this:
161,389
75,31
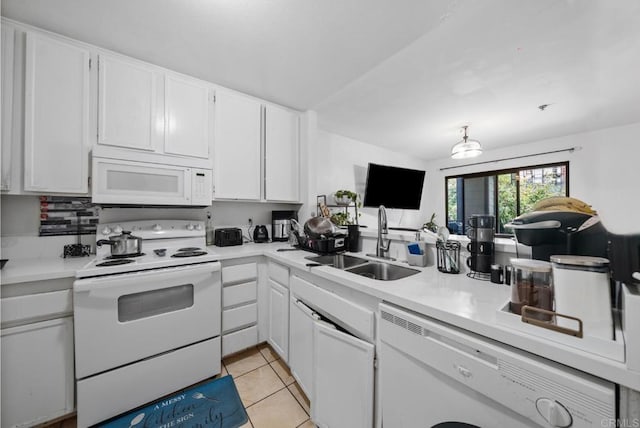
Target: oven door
123,318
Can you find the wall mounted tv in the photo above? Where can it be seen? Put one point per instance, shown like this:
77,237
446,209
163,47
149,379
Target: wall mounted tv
393,187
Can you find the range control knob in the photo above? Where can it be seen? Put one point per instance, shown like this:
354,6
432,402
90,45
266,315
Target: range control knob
198,226
156,227
106,231
189,226
554,413
117,229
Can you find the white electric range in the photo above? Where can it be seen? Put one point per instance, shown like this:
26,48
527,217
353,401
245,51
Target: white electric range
145,325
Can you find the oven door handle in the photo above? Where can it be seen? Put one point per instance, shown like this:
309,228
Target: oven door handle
89,284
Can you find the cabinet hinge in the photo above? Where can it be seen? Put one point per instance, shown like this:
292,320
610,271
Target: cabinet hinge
89,182
214,98
90,60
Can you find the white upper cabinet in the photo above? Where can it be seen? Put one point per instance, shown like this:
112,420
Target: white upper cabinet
146,108
187,113
281,155
56,134
128,110
236,156
7,64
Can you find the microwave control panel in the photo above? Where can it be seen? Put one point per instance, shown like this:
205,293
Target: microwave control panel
202,187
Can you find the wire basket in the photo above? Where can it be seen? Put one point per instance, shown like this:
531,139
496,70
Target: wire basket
448,253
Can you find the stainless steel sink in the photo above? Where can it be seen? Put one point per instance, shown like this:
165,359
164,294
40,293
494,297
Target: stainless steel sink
382,271
339,261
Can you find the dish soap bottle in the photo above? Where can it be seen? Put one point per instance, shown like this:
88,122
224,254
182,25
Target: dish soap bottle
209,230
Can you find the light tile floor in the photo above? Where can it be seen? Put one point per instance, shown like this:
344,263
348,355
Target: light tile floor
268,391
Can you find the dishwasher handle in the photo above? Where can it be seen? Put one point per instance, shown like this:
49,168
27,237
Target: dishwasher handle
307,310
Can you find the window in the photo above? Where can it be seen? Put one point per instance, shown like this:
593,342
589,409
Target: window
505,193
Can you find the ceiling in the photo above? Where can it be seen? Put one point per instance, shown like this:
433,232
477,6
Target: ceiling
402,74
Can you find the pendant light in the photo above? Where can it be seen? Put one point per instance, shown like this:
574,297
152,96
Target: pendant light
466,148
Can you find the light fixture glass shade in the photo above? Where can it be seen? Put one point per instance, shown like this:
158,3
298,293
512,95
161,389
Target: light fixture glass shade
466,149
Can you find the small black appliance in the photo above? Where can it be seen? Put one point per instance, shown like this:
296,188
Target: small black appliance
260,234
227,237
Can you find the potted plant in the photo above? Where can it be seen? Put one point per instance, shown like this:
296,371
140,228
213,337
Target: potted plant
345,197
341,218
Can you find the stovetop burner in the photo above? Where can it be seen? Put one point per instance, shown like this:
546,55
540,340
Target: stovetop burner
190,249
189,254
116,262
123,256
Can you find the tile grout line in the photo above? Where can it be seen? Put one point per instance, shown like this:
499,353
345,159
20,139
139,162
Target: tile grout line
264,398
253,370
279,377
266,363
300,403
305,422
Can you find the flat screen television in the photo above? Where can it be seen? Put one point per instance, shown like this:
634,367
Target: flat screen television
393,187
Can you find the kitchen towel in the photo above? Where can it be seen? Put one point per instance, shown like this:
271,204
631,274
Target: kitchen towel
215,403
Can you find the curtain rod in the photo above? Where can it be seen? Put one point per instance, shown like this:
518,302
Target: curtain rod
570,149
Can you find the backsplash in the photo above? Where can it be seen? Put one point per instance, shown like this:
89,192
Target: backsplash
20,217
27,247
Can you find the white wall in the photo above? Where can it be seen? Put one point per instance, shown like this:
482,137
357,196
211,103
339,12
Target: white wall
604,173
341,163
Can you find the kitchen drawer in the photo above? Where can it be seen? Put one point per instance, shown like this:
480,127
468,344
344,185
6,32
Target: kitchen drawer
35,307
347,314
234,295
279,273
239,340
239,273
108,394
239,317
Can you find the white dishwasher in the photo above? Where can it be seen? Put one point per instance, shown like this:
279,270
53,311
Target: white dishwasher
433,373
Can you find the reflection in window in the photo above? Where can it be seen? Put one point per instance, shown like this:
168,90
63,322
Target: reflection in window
505,194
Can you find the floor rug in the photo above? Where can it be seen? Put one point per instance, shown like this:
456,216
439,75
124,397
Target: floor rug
214,404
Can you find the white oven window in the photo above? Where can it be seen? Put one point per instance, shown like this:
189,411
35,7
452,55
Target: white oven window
155,302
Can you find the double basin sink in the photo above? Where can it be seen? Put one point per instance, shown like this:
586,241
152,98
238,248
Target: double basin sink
367,268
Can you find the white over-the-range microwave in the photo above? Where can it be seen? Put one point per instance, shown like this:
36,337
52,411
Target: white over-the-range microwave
167,182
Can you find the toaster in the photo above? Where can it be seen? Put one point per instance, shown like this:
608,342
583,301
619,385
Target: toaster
227,237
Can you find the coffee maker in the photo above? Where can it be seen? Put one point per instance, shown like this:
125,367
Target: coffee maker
281,224
559,232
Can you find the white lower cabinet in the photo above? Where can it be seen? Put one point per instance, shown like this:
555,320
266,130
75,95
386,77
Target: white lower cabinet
343,379
334,367
278,335
301,321
37,372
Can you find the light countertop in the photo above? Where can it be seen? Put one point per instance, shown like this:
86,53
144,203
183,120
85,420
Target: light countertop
40,269
454,299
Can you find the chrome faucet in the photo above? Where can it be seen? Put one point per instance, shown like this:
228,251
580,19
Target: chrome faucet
382,244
